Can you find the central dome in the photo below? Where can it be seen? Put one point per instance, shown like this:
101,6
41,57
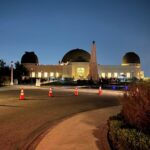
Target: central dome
76,55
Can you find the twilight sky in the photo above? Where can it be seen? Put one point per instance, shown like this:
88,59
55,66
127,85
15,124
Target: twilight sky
51,28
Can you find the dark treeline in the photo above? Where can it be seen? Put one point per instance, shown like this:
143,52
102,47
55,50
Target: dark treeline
5,72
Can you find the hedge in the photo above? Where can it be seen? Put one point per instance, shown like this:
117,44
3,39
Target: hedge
122,137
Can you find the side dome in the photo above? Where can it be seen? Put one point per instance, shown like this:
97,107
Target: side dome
130,58
29,57
76,55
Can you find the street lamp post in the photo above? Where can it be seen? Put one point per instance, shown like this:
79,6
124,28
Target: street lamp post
11,79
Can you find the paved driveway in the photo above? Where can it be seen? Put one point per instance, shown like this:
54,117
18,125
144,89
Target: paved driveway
21,122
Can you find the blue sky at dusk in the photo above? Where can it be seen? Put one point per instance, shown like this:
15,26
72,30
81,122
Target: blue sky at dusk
51,28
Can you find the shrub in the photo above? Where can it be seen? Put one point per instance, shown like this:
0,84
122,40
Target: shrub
123,138
136,106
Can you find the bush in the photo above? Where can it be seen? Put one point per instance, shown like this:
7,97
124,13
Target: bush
136,106
131,128
123,138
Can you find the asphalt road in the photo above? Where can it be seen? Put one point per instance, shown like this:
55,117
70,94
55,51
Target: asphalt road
23,121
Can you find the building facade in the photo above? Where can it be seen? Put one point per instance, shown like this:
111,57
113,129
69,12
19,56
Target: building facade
76,65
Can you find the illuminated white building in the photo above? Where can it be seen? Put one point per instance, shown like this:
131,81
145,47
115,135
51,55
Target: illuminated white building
75,64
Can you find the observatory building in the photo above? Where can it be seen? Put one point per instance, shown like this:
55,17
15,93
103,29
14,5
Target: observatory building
80,64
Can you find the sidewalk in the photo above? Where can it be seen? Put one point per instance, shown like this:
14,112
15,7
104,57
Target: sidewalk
85,131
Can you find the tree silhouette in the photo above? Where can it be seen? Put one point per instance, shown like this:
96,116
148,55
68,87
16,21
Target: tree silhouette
4,71
20,71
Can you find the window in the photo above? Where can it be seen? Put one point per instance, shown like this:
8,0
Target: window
103,75
109,75
51,74
33,74
80,71
57,74
128,75
39,74
115,74
45,74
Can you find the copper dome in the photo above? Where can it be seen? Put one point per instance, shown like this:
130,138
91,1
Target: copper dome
29,57
131,58
76,55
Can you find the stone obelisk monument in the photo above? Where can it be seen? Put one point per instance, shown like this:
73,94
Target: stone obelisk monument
93,69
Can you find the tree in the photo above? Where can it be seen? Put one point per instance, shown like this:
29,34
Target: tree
20,71
4,71
2,63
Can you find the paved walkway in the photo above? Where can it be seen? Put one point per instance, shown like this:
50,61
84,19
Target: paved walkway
85,131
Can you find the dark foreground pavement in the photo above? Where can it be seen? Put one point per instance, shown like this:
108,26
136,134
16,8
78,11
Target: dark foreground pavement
84,131
22,122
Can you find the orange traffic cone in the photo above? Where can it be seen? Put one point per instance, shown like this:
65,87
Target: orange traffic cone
76,92
100,91
22,94
50,92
